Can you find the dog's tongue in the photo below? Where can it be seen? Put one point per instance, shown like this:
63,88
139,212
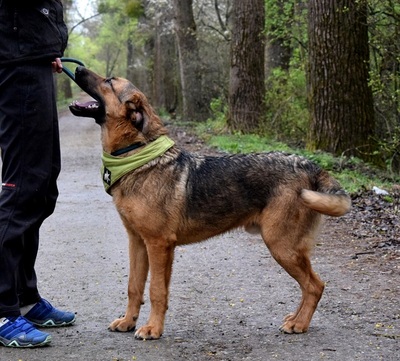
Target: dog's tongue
89,104
139,116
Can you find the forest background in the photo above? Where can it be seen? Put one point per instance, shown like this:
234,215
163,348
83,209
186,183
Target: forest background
317,75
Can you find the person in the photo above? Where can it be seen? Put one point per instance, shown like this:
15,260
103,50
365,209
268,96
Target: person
33,36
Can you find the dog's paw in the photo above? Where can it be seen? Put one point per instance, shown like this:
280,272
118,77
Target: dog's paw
122,325
148,333
291,326
289,317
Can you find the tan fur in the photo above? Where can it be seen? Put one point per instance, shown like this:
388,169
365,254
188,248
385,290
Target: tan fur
331,205
160,212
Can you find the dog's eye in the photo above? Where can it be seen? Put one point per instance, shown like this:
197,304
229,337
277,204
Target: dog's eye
109,80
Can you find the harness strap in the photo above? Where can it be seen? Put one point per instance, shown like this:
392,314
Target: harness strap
127,149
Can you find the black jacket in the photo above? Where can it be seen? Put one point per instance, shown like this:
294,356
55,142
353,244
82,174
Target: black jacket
31,30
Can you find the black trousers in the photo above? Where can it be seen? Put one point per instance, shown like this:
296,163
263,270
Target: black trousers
30,153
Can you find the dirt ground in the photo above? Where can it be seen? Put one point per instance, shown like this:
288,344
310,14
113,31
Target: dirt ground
228,296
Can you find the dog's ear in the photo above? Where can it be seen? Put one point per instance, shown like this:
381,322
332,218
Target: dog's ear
136,114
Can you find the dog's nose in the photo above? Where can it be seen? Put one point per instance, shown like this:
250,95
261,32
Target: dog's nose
79,70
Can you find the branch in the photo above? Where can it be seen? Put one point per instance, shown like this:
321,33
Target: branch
81,22
221,23
216,30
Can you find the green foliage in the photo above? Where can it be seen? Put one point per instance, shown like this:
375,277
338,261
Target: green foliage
246,143
388,199
287,20
129,8
354,181
219,110
286,102
286,95
384,32
352,173
389,150
278,18
83,48
103,47
134,8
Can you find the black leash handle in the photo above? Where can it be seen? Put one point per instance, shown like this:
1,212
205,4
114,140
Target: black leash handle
66,70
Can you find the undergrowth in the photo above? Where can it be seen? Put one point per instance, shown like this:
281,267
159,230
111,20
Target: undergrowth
353,174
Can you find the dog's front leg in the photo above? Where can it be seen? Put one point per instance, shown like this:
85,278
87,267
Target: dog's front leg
161,256
138,270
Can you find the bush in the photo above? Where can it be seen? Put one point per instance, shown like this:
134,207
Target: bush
286,103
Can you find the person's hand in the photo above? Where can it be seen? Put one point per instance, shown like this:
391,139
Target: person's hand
57,65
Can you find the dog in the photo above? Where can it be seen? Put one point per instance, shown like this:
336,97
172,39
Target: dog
171,197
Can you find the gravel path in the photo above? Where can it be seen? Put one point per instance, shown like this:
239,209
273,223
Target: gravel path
228,296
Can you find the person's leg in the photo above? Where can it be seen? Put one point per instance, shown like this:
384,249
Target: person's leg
48,149
31,163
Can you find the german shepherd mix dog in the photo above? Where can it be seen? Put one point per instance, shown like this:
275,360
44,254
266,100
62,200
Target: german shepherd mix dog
168,197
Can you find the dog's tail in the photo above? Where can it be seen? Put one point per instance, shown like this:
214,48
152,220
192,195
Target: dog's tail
329,198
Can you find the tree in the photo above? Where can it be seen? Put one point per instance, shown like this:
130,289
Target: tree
247,73
340,99
194,107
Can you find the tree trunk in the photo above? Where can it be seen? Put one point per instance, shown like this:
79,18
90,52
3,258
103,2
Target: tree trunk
165,90
247,73
340,99
189,62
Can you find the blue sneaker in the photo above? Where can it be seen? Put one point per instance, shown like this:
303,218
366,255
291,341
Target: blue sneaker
43,314
18,332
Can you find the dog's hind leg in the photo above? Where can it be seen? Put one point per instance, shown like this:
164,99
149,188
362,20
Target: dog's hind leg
138,270
311,287
289,240
161,257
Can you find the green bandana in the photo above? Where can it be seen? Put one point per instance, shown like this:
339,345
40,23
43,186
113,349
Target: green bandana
115,167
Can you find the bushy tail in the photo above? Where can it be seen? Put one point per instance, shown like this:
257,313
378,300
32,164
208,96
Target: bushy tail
329,199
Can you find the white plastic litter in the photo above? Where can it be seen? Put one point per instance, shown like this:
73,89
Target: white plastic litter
379,191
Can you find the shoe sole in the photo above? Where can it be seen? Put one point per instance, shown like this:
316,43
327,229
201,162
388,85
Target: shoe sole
17,344
51,323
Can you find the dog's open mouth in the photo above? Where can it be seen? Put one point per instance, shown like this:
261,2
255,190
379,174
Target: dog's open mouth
91,109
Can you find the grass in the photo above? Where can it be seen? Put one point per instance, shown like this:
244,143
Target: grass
352,173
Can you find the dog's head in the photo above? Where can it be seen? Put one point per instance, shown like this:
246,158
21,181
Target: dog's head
121,109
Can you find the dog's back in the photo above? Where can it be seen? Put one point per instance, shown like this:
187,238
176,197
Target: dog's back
222,193
249,181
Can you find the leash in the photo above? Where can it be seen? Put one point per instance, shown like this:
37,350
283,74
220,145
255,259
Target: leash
66,70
